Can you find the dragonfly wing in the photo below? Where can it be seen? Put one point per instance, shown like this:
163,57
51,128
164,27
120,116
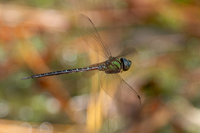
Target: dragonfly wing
88,28
119,90
128,53
89,74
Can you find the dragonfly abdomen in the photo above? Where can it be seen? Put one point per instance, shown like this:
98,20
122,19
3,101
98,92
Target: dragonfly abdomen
62,72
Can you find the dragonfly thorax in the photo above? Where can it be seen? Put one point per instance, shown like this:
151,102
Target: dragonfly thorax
126,64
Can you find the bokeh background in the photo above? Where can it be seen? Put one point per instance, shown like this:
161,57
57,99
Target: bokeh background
41,36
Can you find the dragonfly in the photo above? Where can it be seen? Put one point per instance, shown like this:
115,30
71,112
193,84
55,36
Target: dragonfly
110,80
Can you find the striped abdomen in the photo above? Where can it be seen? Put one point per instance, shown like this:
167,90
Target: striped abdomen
63,72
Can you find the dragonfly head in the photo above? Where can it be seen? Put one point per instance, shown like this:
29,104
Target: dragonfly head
126,64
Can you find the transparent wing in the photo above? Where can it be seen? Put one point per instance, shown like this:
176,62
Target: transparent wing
128,53
88,28
89,74
119,90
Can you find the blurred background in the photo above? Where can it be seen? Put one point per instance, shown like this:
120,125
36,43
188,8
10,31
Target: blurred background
41,36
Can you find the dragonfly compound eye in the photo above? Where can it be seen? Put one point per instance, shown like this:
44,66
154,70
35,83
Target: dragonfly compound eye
126,64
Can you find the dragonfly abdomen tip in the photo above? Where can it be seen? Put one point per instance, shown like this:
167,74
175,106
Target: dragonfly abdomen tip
26,78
